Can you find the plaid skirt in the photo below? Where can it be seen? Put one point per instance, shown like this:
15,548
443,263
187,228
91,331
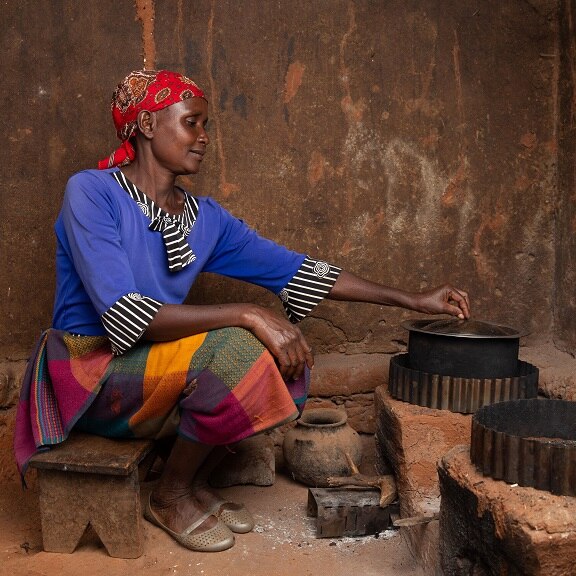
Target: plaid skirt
214,388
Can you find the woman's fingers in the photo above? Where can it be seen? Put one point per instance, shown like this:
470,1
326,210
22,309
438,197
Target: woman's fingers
459,301
284,341
294,357
444,300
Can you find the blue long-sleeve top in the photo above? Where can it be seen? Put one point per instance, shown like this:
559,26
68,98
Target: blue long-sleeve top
112,267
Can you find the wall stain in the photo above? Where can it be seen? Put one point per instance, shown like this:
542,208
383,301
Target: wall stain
490,223
240,106
365,226
431,141
427,32
145,13
455,188
572,63
353,111
407,170
179,33
401,158
458,78
226,188
529,140
317,168
293,80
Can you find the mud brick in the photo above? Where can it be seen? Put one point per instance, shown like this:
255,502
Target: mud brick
89,480
348,512
412,439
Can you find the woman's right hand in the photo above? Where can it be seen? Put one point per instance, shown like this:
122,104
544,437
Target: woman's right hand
284,340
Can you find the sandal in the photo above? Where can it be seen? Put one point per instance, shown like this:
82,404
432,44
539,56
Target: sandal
239,521
215,539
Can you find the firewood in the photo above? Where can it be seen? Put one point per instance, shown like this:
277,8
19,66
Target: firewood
386,484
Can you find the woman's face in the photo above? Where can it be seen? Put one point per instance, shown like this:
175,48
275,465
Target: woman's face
179,136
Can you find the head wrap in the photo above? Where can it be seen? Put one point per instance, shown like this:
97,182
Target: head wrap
149,90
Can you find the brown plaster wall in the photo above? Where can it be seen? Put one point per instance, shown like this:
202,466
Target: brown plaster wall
58,59
408,141
565,277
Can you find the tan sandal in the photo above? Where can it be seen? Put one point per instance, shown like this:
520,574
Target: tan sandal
215,539
239,521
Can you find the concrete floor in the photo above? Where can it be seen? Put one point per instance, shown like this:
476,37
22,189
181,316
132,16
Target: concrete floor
283,543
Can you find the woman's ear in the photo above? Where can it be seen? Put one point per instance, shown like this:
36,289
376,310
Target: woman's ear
146,122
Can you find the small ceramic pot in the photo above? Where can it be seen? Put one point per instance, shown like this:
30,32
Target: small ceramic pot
317,446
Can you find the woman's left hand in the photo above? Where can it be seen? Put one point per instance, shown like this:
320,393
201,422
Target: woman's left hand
444,300
284,340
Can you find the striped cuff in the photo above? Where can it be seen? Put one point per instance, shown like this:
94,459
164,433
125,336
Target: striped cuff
127,319
309,286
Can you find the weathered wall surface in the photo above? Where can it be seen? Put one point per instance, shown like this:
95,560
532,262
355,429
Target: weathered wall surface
408,143
565,277
405,141
58,59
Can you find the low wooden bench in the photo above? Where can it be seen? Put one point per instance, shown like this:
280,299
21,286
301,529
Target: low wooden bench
89,480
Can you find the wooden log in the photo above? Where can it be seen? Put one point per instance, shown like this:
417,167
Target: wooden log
386,484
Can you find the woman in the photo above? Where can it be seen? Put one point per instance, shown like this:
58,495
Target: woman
125,357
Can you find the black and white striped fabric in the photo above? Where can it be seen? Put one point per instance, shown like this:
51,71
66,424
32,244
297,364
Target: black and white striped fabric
174,228
127,319
309,286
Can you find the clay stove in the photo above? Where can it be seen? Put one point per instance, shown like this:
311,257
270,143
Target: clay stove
527,442
486,526
526,523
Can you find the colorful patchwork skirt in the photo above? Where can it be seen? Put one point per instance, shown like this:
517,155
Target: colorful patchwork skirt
214,388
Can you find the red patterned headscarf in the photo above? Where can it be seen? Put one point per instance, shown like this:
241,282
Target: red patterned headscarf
149,90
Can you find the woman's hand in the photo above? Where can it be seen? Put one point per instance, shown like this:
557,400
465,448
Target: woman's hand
284,340
443,300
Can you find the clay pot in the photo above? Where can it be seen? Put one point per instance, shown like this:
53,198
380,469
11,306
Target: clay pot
316,447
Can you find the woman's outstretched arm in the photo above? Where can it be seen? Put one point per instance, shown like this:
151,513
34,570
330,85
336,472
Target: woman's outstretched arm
441,300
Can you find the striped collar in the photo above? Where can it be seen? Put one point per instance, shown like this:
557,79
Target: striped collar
185,220
174,227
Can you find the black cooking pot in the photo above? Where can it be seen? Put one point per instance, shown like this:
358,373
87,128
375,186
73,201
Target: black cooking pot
463,348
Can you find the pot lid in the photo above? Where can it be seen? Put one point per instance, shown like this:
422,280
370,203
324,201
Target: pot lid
461,328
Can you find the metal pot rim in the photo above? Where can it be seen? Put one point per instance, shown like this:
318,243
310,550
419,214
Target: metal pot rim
457,328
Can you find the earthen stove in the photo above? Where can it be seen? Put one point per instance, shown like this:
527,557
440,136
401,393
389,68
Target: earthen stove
489,526
486,526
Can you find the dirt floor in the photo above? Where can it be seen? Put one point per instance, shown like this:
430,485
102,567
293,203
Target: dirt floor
283,543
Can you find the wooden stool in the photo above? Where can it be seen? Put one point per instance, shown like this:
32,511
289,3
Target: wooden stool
92,480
